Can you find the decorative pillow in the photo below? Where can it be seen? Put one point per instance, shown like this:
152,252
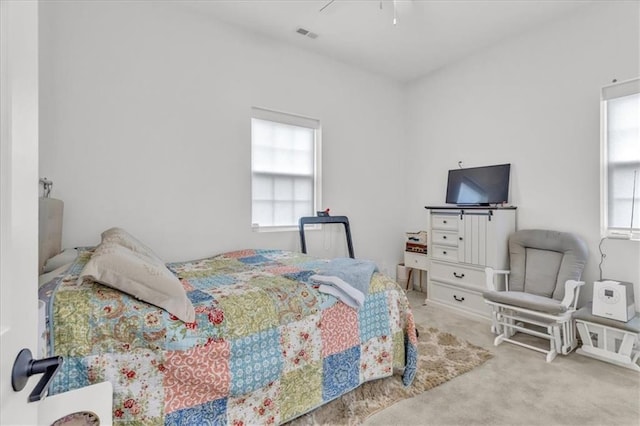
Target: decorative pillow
125,239
139,275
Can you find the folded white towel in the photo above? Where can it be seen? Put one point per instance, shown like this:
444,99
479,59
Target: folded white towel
339,288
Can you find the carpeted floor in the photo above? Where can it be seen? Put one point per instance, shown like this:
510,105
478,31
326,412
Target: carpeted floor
442,356
516,386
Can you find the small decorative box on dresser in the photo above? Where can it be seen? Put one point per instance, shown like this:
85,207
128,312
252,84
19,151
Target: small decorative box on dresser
463,241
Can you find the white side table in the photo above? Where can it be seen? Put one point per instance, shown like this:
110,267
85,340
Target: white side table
608,340
417,261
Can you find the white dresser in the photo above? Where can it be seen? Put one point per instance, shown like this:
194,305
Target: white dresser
462,242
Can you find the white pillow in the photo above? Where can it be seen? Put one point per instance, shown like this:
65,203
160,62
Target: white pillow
139,275
125,239
45,278
64,258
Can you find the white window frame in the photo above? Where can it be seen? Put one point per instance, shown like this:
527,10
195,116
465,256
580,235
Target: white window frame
613,91
294,120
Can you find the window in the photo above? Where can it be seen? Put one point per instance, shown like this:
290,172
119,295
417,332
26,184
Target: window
285,169
621,159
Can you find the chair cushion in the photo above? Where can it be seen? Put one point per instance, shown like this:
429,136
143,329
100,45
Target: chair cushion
526,300
567,255
541,268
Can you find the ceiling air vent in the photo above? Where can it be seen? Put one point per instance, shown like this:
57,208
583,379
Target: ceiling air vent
307,33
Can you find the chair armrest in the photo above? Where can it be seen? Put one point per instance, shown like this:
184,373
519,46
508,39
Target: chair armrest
490,274
571,293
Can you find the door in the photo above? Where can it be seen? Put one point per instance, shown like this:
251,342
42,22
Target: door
18,200
473,238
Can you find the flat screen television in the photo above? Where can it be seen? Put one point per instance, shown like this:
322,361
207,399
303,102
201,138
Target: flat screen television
479,186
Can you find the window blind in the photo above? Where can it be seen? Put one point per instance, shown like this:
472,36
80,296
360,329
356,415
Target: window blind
621,158
284,168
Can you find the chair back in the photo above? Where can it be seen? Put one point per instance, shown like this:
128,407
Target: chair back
542,261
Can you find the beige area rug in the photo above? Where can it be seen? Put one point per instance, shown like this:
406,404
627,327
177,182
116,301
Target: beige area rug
441,357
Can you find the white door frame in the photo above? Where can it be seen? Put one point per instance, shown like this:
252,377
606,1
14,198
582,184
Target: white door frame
18,200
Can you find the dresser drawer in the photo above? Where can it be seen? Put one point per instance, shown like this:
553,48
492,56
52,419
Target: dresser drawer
415,260
449,254
447,238
457,274
444,222
459,298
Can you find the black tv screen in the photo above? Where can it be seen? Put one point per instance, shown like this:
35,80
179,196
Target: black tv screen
479,185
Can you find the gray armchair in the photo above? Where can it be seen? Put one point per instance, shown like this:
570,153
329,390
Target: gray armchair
540,291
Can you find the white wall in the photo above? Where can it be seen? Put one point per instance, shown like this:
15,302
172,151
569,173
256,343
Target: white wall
532,102
145,125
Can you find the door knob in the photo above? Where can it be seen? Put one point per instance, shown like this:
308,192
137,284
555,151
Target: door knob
25,366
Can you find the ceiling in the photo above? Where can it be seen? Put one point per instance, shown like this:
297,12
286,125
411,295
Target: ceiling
428,34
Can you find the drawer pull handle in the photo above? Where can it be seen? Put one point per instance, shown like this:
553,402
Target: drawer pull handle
444,221
444,237
444,252
457,299
460,238
455,274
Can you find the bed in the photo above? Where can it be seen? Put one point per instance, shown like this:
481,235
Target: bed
264,346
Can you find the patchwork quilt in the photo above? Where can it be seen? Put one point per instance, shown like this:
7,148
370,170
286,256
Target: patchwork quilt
265,347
